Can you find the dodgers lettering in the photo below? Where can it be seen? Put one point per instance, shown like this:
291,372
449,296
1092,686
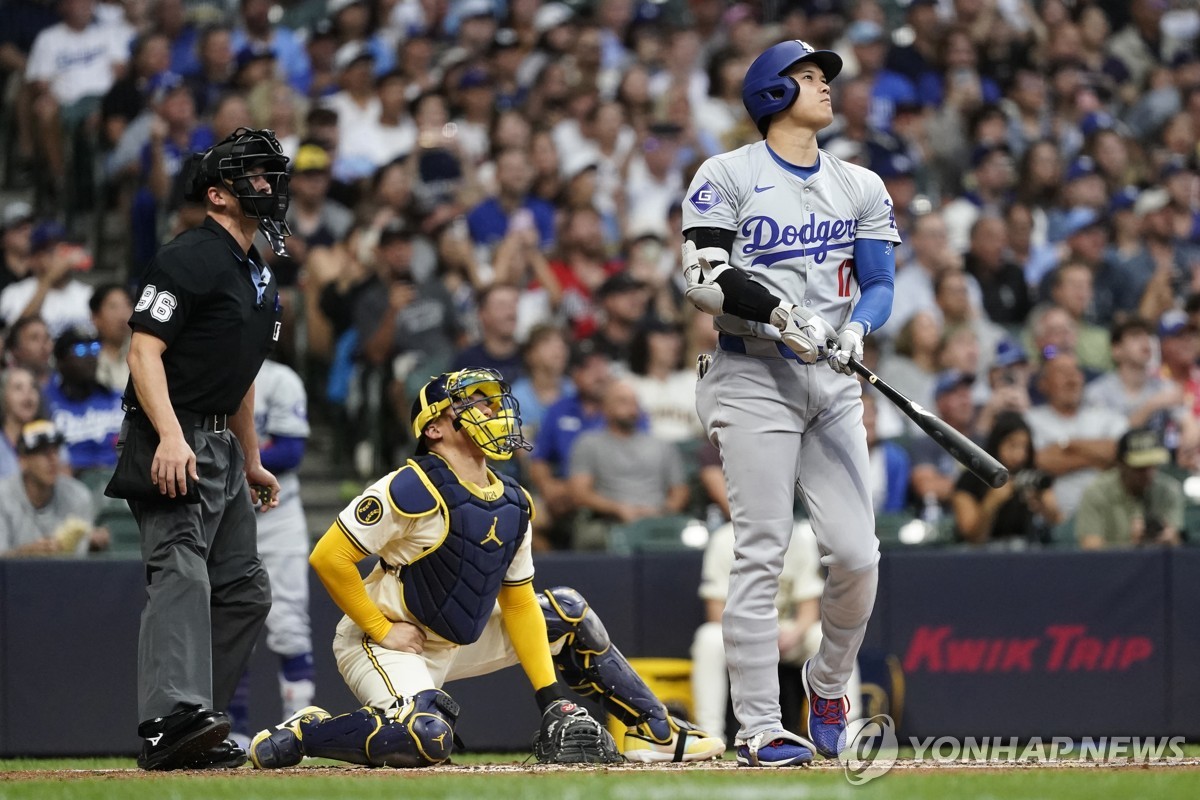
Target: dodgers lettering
764,233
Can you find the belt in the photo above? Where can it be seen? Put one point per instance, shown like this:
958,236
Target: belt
213,423
754,346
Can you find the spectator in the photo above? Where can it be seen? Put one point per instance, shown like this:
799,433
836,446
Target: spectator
16,228
42,511
1113,290
111,308
511,208
71,67
623,301
580,269
1022,510
913,368
665,386
852,136
126,100
21,21
952,291
1073,442
497,347
215,73
888,89
1164,261
1132,388
1071,290
170,18
653,178
1133,503
394,134
357,107
1008,378
564,420
620,474
354,23
890,464
477,105
51,290
316,219
991,180
86,414
19,402
934,471
256,28
29,346
931,256
543,380
1141,46
1002,283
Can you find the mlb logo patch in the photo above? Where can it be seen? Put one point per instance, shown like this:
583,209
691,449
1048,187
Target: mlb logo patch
705,199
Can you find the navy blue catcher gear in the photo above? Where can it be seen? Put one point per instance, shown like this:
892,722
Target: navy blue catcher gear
592,665
767,89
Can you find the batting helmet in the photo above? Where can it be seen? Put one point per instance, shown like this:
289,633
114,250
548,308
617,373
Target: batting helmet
497,434
767,89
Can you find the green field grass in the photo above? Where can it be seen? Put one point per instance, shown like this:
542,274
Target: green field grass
85,779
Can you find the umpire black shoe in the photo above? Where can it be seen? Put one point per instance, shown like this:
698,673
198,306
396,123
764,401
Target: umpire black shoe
177,740
227,755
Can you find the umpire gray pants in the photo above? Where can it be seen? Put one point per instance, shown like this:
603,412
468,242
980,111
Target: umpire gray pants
207,594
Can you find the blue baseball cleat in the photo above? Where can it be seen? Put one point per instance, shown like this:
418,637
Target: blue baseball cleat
826,719
774,749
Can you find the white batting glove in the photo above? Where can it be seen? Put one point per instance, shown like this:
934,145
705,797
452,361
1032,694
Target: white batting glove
848,345
805,332
701,291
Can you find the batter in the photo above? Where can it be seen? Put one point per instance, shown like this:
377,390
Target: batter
790,249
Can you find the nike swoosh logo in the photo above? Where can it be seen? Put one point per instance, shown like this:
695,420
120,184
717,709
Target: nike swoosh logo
153,740
758,189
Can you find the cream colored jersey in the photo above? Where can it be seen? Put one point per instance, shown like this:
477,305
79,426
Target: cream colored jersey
800,579
377,526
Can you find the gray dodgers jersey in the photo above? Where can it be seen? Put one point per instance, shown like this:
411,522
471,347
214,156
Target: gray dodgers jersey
795,237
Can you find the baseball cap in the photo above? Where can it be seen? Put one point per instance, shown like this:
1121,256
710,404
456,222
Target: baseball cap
1142,447
864,31
46,234
551,15
505,39
1174,166
1123,200
469,9
311,158
951,379
618,283
16,213
1079,220
1174,323
38,435
983,151
351,53
1081,167
334,6
1151,200
395,231
1008,353
1097,121
582,352
893,165
162,84
474,78
253,51
577,161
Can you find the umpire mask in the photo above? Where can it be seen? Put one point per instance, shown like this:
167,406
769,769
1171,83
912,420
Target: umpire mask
251,165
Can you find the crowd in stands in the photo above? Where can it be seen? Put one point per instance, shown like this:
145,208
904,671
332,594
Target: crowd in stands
498,183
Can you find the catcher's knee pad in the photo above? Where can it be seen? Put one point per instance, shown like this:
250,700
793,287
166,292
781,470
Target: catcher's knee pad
418,734
592,665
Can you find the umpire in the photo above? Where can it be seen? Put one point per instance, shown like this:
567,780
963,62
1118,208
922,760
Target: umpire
207,316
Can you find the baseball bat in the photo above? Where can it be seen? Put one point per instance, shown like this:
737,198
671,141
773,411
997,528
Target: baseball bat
965,452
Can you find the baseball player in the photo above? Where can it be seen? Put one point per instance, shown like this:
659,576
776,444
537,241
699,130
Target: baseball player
281,421
791,250
452,597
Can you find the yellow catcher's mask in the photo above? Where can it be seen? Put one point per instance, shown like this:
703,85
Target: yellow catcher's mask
483,406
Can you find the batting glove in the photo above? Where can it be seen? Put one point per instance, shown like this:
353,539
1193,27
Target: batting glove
704,293
805,332
848,345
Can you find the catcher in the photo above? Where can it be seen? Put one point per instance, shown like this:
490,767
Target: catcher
452,597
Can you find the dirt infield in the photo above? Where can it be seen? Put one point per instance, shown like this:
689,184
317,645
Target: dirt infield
349,771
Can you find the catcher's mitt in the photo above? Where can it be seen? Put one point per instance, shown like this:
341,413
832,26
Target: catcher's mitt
570,735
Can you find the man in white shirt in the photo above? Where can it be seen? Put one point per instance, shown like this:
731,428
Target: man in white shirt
357,106
71,66
50,291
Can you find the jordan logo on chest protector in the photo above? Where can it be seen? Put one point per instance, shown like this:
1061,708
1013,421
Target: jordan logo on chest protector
491,534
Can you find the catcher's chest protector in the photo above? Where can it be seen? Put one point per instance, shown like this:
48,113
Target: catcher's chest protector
452,587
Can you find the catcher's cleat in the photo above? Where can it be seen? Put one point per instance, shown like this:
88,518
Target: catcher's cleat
774,749
171,742
226,755
281,747
684,742
826,719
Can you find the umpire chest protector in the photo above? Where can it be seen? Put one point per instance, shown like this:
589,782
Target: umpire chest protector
452,587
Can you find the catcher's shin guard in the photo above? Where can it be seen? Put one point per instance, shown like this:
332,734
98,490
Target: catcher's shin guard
592,665
418,734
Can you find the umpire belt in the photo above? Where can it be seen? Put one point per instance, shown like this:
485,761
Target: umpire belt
213,423
758,347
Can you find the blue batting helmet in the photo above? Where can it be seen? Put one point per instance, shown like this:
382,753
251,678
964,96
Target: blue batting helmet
767,90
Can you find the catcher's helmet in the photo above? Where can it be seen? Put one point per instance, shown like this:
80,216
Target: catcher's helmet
767,90
464,392
234,163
